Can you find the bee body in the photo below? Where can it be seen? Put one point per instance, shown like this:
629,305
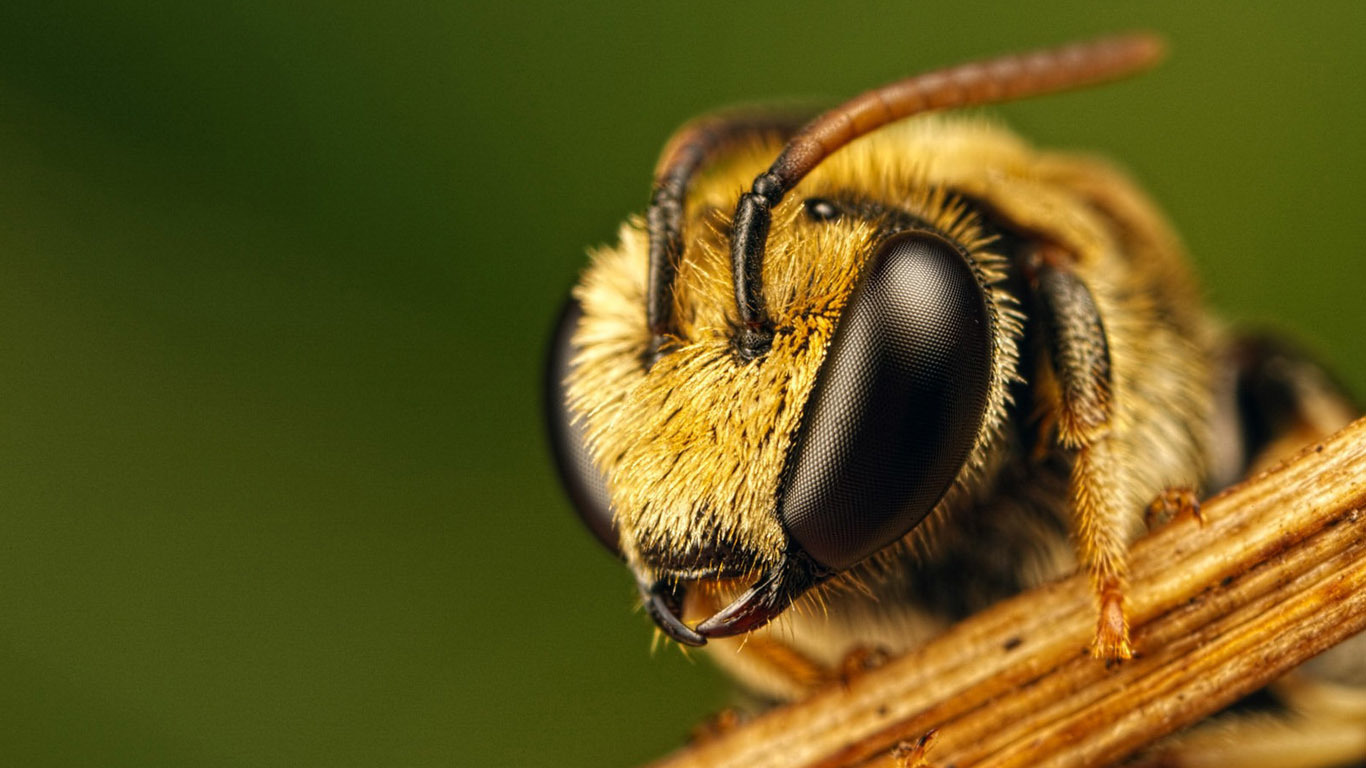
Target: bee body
919,367
720,425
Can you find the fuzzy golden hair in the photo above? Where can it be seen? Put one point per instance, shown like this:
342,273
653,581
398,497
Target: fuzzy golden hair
694,447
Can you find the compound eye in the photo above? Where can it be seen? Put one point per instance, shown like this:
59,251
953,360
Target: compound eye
586,486
897,404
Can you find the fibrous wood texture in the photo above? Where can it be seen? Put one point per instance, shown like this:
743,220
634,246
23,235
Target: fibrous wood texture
1274,575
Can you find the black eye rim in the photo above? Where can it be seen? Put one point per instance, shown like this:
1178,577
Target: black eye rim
585,485
821,508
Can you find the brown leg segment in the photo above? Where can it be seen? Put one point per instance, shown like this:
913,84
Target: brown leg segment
1284,399
715,726
1173,504
914,754
860,660
1100,532
1080,357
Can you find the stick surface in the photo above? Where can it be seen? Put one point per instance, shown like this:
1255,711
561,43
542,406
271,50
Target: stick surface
1276,575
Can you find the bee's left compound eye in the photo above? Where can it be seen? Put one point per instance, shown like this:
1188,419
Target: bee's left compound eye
586,486
897,405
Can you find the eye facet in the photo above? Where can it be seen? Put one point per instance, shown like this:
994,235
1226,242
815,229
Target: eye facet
586,486
896,406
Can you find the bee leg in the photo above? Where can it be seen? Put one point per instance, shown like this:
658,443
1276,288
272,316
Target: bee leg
1080,357
860,660
914,754
1174,503
715,726
1283,400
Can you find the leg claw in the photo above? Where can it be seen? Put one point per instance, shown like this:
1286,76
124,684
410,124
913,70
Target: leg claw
911,754
860,660
715,726
1174,504
1112,630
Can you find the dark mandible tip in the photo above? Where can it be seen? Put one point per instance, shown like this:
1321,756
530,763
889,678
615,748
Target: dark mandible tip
663,604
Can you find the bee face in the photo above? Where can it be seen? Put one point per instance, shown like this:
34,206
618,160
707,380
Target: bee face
883,385
774,398
825,388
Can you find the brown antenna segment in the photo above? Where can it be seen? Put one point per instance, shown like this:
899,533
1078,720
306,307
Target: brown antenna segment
982,82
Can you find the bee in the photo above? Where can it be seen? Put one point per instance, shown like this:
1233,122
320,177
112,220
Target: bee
838,400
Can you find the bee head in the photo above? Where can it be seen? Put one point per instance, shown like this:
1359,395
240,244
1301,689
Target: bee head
786,392
762,476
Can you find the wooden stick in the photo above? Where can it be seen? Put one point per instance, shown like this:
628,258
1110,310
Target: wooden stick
1276,575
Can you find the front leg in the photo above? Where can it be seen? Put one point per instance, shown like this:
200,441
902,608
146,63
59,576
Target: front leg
1079,355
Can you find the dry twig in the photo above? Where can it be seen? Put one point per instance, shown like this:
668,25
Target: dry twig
1275,576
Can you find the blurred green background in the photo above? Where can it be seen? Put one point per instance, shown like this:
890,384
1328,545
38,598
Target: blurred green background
274,282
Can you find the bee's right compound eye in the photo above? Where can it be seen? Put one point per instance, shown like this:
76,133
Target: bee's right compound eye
586,486
897,405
